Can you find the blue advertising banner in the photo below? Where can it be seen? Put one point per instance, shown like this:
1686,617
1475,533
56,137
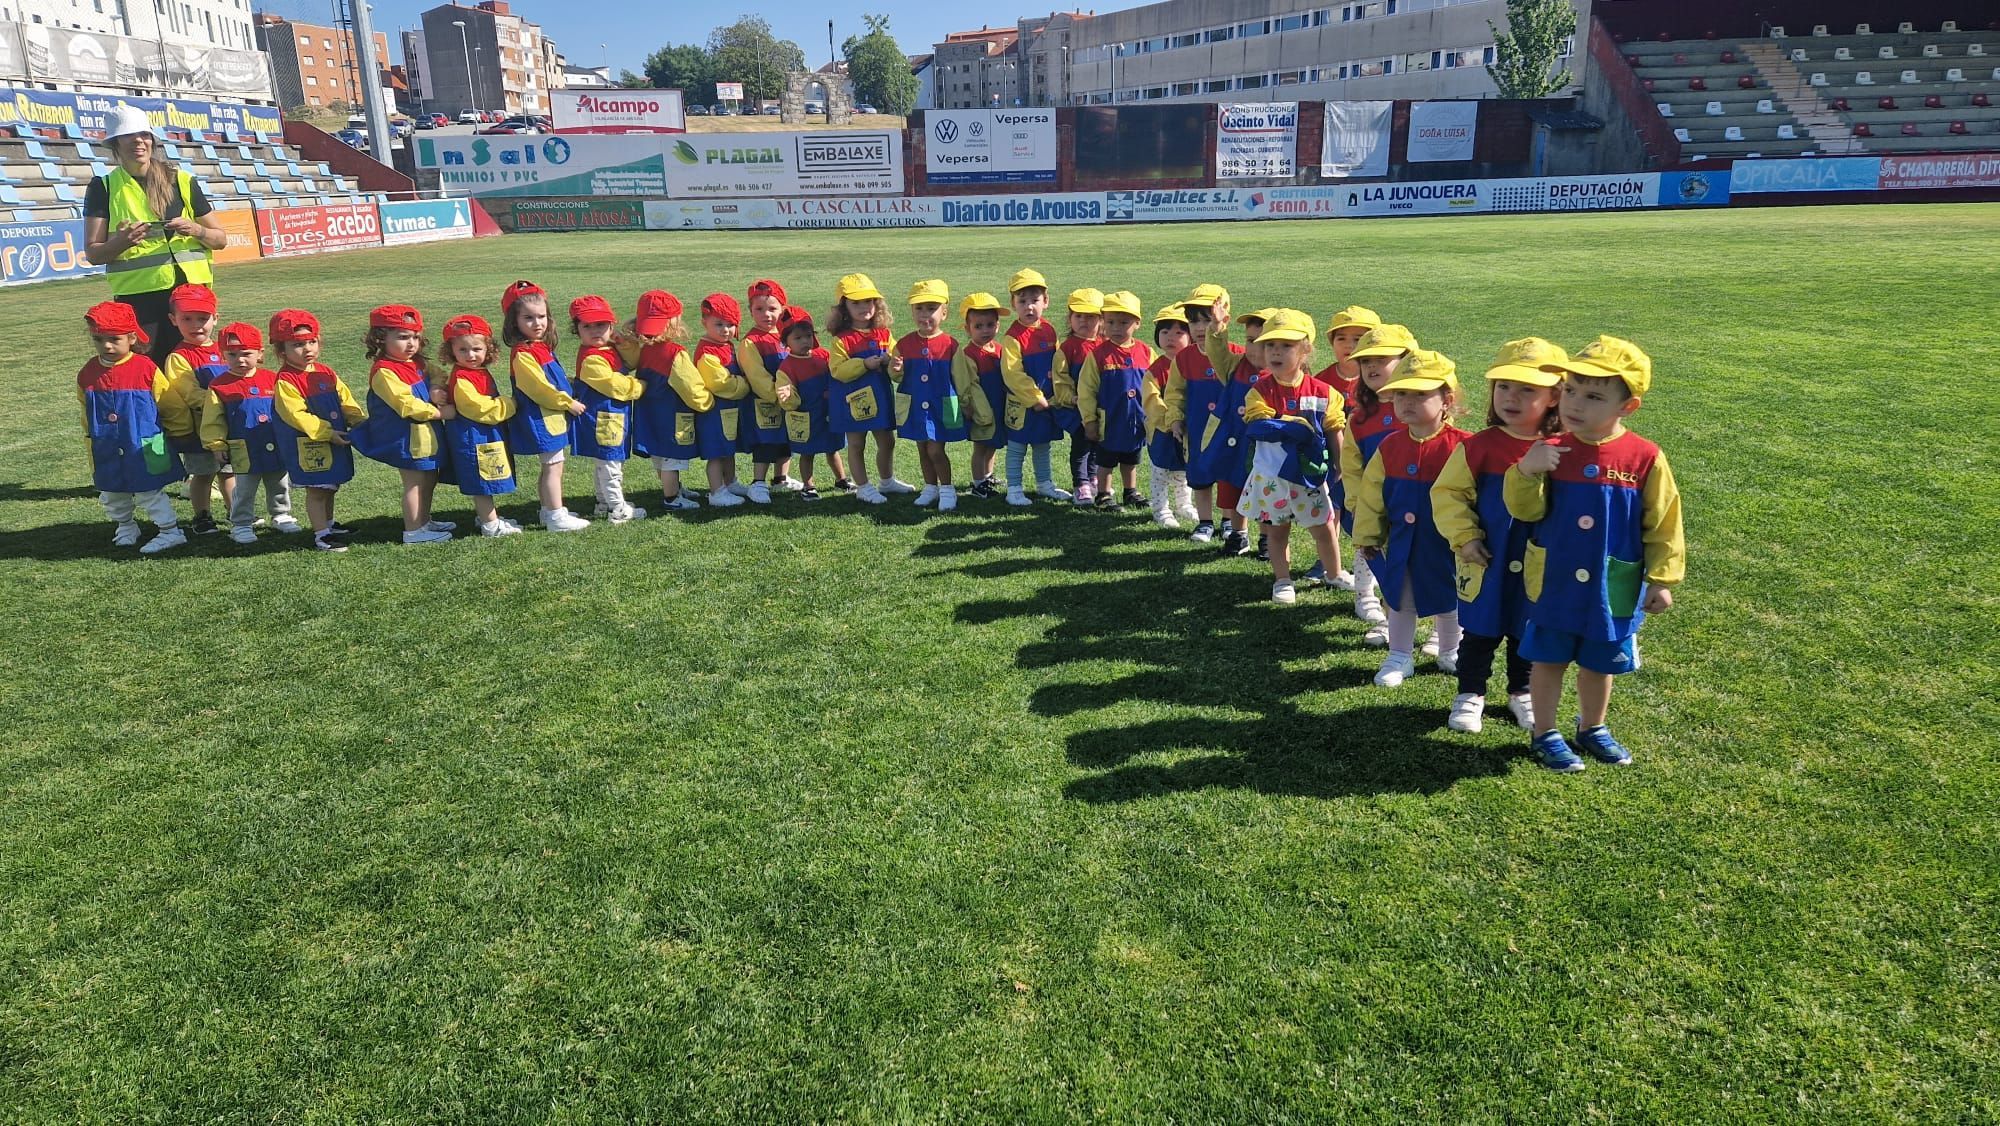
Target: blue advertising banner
1693,189
425,220
39,252
1807,174
46,109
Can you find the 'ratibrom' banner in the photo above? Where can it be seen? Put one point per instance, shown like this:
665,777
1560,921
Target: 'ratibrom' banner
91,113
1356,142
1257,141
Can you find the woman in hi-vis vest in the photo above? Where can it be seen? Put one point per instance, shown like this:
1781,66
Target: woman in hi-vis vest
149,226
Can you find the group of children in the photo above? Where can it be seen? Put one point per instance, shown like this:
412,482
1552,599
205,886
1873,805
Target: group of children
1553,530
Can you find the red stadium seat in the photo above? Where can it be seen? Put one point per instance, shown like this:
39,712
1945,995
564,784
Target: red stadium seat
1840,105
1634,61
1680,60
1933,102
1710,34
1649,85
1727,56
1981,100
1886,103
1862,130
1666,38
1910,129
1958,129
1697,84
1746,83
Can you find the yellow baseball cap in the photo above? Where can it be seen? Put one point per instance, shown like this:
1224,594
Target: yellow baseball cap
1354,316
1522,361
857,287
1284,324
1384,340
933,291
977,302
1207,293
1022,279
1607,357
1123,301
1424,370
1086,301
1174,313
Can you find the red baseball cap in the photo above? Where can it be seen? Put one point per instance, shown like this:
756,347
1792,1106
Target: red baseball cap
795,316
294,324
765,287
113,317
516,291
466,324
239,335
724,306
656,308
396,316
191,299
591,310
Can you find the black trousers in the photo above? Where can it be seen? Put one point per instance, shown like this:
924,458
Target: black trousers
1082,459
1475,664
156,321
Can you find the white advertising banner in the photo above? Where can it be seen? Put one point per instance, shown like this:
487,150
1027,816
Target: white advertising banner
1001,146
1356,140
1178,205
617,111
1442,130
576,164
729,91
831,162
825,213
1257,141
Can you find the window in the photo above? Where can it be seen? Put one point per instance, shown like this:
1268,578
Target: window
311,81
305,40
1252,82
1183,89
1292,23
1215,87
1190,40
1253,28
307,60
328,43
1219,35
1290,78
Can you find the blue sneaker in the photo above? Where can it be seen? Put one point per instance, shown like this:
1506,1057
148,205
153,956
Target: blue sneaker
1601,746
1314,577
1554,753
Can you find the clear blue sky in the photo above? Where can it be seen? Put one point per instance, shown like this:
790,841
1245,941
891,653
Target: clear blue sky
632,29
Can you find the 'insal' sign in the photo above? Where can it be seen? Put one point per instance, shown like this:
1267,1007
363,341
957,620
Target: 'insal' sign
617,111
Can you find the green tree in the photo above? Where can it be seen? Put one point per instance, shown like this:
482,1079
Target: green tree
880,70
747,52
683,67
1528,56
632,81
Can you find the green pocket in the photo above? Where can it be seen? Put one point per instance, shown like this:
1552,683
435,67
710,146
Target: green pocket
1622,582
158,460
952,413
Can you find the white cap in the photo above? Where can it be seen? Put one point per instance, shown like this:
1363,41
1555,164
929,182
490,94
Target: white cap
127,120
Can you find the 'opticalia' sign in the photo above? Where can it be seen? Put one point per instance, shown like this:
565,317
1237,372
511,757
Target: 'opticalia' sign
1813,174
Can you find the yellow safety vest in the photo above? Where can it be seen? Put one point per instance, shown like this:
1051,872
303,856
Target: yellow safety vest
149,266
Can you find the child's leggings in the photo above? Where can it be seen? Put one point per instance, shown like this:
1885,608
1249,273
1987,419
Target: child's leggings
152,502
243,501
1475,664
610,485
1082,459
1017,452
1403,626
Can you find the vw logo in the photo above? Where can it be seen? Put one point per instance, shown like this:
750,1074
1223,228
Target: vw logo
946,131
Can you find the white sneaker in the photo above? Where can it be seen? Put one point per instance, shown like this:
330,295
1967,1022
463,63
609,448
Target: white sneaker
927,497
1284,594
681,503
1017,497
1430,647
789,485
1522,706
514,524
1369,610
870,493
126,535
760,493
947,498
739,489
499,528
243,535
723,498
1468,712
1448,662
287,525
1165,519
1396,668
891,485
1054,492
1377,636
563,520
1342,581
441,526
626,513
168,538
1203,533
1186,513
426,535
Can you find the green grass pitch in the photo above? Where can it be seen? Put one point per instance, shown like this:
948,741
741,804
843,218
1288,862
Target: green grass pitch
827,812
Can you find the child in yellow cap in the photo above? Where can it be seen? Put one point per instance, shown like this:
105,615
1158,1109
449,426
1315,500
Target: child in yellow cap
1194,395
865,366
1110,393
1393,523
1086,321
1343,335
1471,513
1028,365
1292,420
1172,500
1607,547
929,408
1224,456
1369,419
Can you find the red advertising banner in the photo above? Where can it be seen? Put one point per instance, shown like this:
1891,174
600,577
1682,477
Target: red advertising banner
1941,170
309,230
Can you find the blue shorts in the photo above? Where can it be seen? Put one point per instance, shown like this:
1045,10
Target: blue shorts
1552,647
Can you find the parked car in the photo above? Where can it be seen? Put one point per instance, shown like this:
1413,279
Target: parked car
697,111
772,111
815,107
719,110
353,139
864,107
468,117
509,126
426,121
439,121
402,126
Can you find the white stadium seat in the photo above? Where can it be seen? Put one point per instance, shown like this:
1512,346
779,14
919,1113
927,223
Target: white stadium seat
1954,75
1842,54
1950,27
1906,28
1683,136
1864,29
1787,133
1764,106
1778,31
1820,31
1713,109
1818,78
1666,109
1733,133
1864,78
1798,54
1909,78
1886,53
1975,50
1931,51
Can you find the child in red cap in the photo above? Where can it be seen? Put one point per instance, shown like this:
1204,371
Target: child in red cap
128,410
804,381
475,428
544,401
315,411
663,419
604,431
190,367
720,430
402,428
236,423
759,352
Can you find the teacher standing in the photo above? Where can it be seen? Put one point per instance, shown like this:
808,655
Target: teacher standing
148,224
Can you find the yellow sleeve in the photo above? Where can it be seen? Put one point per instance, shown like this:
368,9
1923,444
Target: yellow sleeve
532,381
176,417
1336,415
1350,467
597,374
1216,348
481,407
291,409
1062,389
1174,401
1527,497
1088,380
688,384
354,411
628,350
1255,409
1369,518
183,386
1666,550
720,381
1455,502
214,423
1153,405
1013,373
400,398
783,382
972,397
751,359
844,367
